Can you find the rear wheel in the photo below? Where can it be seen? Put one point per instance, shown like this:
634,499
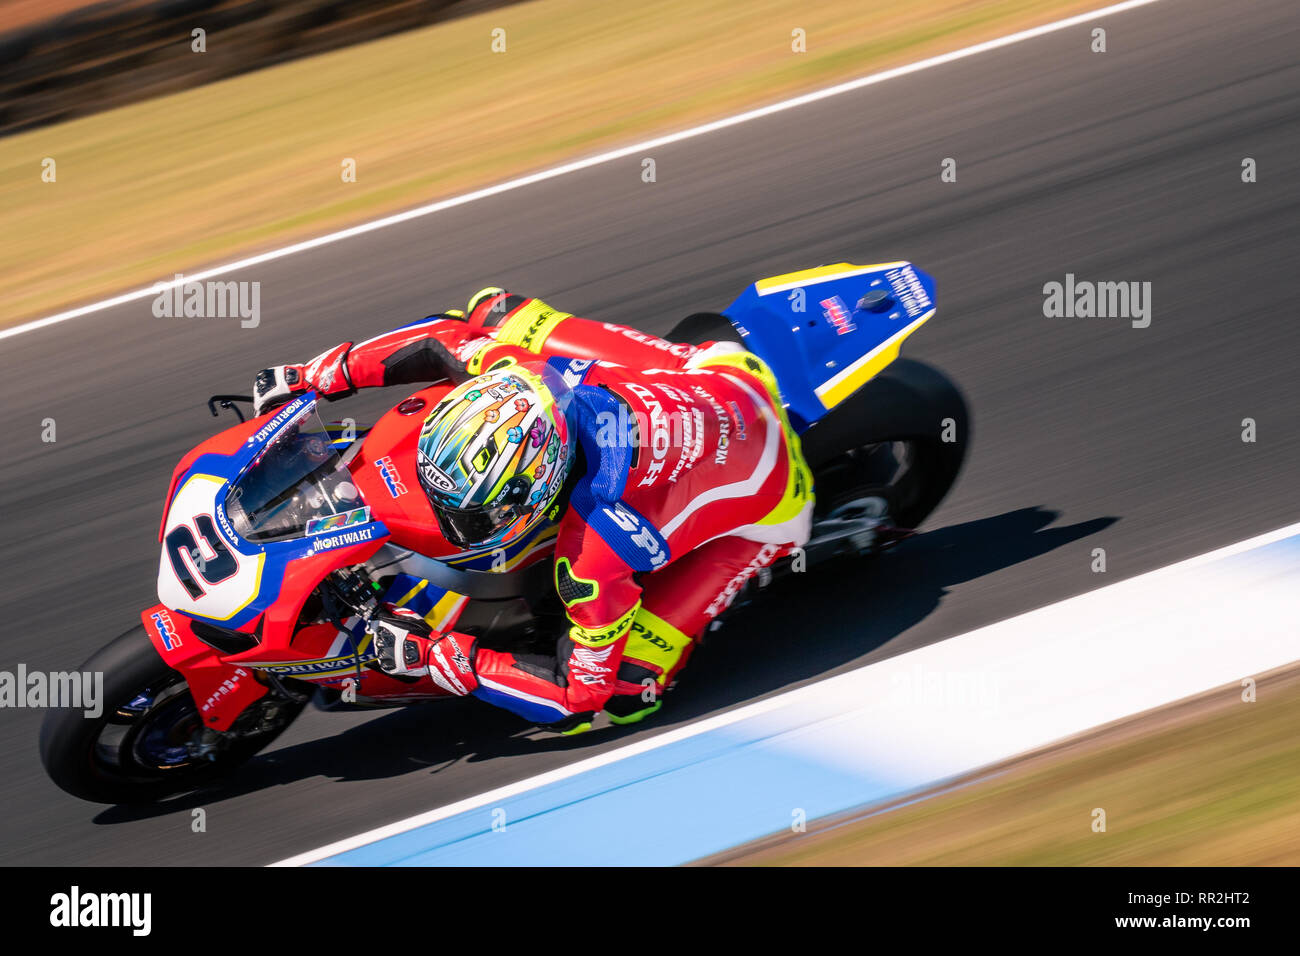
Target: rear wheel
149,741
896,446
701,327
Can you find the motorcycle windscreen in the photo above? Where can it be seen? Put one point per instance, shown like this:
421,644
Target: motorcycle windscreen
299,485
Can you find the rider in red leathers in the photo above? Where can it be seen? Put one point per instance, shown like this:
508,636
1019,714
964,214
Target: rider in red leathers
671,469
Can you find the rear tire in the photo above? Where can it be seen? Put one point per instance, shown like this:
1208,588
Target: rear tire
900,416
132,753
701,327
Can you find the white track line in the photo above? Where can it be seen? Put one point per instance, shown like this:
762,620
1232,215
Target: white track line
554,171
810,692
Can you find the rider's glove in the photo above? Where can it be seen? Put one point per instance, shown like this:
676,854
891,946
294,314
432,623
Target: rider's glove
327,374
401,643
276,385
405,646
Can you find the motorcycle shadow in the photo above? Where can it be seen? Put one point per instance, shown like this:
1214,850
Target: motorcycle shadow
818,623
803,627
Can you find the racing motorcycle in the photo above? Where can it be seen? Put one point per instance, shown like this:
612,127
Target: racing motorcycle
282,535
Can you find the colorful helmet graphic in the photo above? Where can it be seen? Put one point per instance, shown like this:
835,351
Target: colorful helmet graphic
494,454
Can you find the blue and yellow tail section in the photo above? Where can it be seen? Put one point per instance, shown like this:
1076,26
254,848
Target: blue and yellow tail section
826,332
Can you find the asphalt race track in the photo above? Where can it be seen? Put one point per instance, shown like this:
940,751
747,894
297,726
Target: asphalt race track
1089,433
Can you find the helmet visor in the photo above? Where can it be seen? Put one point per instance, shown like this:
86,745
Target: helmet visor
471,527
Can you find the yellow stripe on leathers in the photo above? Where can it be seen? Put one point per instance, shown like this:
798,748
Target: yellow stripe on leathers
654,641
529,327
605,634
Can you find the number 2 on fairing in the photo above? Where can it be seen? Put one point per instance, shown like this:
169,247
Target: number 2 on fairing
187,557
201,570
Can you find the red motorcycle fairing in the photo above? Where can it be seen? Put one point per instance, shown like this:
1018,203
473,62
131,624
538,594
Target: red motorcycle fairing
223,443
326,656
222,691
223,685
386,475
300,578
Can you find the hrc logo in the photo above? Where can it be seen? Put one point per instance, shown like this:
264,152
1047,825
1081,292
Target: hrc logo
388,471
166,630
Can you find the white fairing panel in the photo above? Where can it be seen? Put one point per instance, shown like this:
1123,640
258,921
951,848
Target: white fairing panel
228,580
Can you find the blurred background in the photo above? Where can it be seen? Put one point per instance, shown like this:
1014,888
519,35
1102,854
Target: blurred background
169,156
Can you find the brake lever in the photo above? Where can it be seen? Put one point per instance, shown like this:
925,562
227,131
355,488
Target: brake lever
228,401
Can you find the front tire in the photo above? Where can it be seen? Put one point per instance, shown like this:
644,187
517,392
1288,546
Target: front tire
137,750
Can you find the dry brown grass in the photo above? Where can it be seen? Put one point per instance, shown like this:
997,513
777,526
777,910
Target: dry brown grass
1208,782
254,162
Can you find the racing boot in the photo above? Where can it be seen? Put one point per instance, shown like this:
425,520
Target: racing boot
624,709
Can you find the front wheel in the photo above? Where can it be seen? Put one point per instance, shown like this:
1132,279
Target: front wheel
149,741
